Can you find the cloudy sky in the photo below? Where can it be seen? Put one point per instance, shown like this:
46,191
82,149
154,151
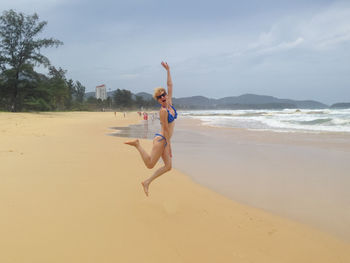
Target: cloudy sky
296,49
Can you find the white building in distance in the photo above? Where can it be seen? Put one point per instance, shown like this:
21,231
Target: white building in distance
101,92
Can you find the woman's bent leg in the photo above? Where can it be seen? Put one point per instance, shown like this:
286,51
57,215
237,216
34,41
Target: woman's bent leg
167,167
150,160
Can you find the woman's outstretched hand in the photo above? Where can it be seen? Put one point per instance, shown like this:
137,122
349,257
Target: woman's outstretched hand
165,65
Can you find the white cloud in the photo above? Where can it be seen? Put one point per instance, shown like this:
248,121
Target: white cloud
283,46
320,30
328,28
335,40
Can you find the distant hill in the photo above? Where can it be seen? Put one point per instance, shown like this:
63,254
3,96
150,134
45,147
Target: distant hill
341,105
245,101
197,101
145,96
89,94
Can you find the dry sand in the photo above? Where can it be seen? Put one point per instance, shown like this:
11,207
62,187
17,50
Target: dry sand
68,193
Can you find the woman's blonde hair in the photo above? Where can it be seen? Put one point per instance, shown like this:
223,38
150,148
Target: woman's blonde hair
158,91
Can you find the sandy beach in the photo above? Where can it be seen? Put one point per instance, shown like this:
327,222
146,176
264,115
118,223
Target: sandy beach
69,193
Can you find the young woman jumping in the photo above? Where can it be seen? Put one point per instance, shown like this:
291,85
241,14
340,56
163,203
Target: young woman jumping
161,141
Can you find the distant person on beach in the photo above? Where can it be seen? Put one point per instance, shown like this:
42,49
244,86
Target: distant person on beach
161,141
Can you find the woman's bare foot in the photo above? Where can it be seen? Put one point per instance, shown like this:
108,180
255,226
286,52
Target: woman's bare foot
145,187
133,143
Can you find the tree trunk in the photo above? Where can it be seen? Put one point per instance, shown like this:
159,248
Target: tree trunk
14,106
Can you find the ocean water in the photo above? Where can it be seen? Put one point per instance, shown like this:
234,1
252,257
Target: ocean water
287,120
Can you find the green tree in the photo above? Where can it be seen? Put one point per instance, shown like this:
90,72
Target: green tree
34,93
71,92
108,102
58,88
32,86
123,98
6,82
91,100
19,46
140,102
79,92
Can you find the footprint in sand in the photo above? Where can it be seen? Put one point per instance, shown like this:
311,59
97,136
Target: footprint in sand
272,231
170,206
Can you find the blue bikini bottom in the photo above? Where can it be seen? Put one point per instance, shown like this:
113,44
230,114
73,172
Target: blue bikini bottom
163,138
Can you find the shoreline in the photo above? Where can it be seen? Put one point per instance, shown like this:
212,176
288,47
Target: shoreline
72,194
300,176
298,186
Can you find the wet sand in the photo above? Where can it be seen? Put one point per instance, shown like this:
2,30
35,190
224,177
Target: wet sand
301,176
298,175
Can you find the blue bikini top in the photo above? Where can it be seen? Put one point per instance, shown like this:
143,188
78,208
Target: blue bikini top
171,118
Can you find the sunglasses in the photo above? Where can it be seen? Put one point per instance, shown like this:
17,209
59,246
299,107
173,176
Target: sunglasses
161,95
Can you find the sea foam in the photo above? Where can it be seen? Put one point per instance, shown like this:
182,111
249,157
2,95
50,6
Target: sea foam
288,120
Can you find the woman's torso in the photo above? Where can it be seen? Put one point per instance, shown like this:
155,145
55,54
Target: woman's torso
171,124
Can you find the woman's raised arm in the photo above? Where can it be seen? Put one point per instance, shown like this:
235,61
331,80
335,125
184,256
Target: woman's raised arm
169,82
